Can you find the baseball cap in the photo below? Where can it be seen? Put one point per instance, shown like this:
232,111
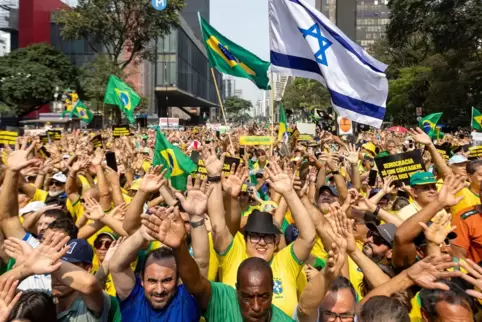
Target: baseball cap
386,231
291,234
106,233
32,207
330,188
421,178
80,252
60,177
457,159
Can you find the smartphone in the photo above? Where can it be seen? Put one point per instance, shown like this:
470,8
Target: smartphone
241,152
218,135
372,178
111,161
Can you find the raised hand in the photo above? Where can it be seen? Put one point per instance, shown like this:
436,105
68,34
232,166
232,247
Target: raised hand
112,176
364,205
45,258
153,180
447,195
439,229
420,136
98,157
353,154
346,230
338,221
335,262
233,183
80,164
426,272
388,188
278,180
93,210
301,187
474,277
312,174
197,196
20,158
214,166
8,299
17,249
166,226
112,249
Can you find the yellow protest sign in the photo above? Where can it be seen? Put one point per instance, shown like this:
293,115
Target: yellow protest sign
256,140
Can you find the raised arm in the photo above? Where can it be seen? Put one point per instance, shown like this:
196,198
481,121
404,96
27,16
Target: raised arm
151,183
102,184
222,237
281,183
421,137
115,187
232,188
168,228
71,185
195,206
120,270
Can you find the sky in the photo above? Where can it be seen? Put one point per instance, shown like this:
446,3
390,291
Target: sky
246,23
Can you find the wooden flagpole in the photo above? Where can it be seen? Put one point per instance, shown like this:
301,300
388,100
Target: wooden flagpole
221,104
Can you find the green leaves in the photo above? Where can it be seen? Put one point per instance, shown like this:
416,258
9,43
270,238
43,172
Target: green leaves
237,108
28,77
305,93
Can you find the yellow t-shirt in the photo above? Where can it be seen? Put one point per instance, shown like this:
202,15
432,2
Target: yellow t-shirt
109,285
75,209
356,275
319,250
285,266
470,200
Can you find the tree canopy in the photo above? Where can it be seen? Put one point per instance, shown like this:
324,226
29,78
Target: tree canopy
28,77
306,94
237,108
124,28
435,59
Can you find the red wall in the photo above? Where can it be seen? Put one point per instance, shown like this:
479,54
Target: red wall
34,20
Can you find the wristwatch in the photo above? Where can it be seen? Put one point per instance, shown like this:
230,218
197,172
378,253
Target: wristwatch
197,223
214,179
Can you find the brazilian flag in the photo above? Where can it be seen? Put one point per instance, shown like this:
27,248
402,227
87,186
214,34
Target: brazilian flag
232,59
82,112
429,123
283,125
120,94
476,119
178,165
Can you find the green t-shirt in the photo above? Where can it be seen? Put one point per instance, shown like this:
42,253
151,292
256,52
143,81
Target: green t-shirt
223,306
114,312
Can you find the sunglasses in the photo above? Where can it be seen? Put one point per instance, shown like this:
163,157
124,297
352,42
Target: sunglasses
56,183
99,243
377,239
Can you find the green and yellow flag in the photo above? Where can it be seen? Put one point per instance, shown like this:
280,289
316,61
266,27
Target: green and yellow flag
82,112
283,125
120,94
232,59
178,165
429,123
476,119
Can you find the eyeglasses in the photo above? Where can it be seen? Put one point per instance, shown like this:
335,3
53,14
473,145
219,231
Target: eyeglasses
99,243
329,316
256,238
56,183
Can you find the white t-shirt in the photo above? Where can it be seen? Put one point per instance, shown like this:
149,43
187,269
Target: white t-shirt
35,282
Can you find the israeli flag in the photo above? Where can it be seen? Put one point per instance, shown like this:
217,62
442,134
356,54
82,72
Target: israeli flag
304,43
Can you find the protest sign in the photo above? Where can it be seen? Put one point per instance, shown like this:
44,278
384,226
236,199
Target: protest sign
44,139
475,152
43,153
256,140
401,166
305,137
96,141
118,131
201,169
55,135
169,123
8,137
444,150
306,128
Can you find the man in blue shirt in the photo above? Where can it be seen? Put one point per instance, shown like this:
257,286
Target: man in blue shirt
155,295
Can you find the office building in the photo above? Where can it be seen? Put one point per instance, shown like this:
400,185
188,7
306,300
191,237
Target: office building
372,16
238,93
4,43
228,88
189,13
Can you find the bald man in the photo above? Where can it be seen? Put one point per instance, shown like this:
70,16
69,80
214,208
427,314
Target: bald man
250,301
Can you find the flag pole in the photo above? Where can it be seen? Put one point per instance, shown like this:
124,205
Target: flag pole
221,104
271,80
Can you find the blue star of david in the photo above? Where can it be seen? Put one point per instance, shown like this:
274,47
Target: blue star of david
314,31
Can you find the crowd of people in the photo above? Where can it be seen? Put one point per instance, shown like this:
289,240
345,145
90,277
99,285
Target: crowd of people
297,231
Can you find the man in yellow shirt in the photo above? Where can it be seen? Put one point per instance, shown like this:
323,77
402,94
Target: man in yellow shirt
261,236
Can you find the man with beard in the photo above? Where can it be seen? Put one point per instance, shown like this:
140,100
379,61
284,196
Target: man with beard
155,295
378,246
55,195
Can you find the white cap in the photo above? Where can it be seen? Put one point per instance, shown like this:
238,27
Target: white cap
34,206
66,156
60,177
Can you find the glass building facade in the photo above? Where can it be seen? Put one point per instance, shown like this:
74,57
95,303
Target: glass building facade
372,16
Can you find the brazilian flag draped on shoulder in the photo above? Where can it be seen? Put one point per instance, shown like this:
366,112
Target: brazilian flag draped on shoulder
232,59
429,123
476,119
283,125
178,165
120,94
